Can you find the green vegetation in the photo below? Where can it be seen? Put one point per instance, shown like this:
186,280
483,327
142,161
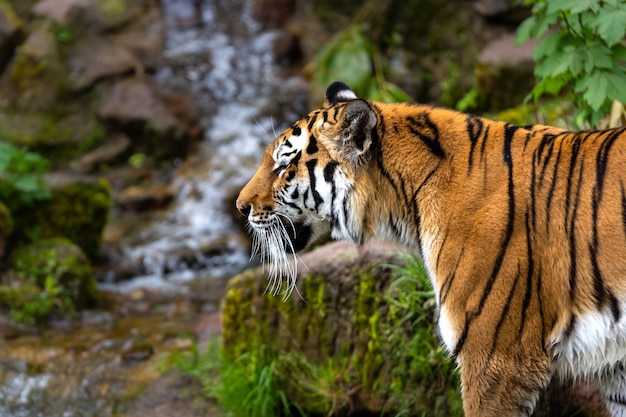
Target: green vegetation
21,183
289,358
49,276
351,57
585,59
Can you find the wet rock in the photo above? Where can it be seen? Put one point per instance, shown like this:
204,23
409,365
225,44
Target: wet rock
113,151
58,137
151,197
36,75
137,352
65,263
78,209
10,32
94,59
59,10
137,106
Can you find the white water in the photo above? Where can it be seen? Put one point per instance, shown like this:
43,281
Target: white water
226,62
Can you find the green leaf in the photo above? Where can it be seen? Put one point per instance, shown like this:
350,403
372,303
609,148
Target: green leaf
594,88
611,25
549,45
581,6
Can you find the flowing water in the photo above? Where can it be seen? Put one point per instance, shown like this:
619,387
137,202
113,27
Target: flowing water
225,59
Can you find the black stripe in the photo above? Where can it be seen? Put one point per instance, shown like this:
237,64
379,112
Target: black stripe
312,146
316,195
296,131
601,293
509,133
503,315
474,129
623,209
529,278
449,281
422,127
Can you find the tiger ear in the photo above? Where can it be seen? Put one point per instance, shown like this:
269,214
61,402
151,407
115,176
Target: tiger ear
357,124
337,92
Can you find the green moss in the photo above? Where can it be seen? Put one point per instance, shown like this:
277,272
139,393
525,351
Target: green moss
7,11
76,211
341,340
61,273
6,222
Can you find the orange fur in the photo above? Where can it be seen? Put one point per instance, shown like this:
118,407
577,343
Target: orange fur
522,231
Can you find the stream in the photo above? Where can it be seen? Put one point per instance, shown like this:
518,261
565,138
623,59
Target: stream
225,59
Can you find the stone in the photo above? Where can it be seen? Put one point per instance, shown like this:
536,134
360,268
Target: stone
112,151
63,261
10,32
36,74
341,324
149,115
78,209
94,59
59,10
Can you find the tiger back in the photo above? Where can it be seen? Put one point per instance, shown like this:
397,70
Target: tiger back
522,231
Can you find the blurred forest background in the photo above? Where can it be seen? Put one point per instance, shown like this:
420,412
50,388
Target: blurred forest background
127,128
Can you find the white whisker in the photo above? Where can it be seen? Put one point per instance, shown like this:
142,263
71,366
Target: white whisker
273,244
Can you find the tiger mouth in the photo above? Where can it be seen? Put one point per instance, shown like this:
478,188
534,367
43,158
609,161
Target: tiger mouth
284,234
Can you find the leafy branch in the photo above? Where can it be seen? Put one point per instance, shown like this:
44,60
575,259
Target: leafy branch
581,51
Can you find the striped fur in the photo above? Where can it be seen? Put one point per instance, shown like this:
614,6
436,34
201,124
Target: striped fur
522,231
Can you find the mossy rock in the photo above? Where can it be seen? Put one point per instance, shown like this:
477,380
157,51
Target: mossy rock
10,32
346,331
78,210
58,137
62,261
6,226
36,76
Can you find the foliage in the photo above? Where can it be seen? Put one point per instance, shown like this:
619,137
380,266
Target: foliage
248,386
53,295
352,58
586,56
412,295
21,183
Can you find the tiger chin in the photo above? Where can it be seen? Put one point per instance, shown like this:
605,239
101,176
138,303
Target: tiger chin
522,231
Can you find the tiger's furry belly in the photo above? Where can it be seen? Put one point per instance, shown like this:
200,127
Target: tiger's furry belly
595,345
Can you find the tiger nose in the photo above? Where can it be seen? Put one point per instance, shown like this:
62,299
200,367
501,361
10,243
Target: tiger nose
244,208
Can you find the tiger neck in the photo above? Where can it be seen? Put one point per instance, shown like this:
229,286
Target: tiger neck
407,183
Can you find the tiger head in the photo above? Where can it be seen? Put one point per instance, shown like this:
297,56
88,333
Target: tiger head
300,194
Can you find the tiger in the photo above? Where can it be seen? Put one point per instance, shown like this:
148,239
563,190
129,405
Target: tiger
521,229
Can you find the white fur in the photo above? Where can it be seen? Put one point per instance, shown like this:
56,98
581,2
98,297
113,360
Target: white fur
595,343
446,331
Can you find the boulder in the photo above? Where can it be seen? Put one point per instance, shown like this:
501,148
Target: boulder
36,75
77,210
349,325
341,322
62,261
59,137
144,110
10,32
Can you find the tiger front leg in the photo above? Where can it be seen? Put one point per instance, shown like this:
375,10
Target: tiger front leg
495,386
